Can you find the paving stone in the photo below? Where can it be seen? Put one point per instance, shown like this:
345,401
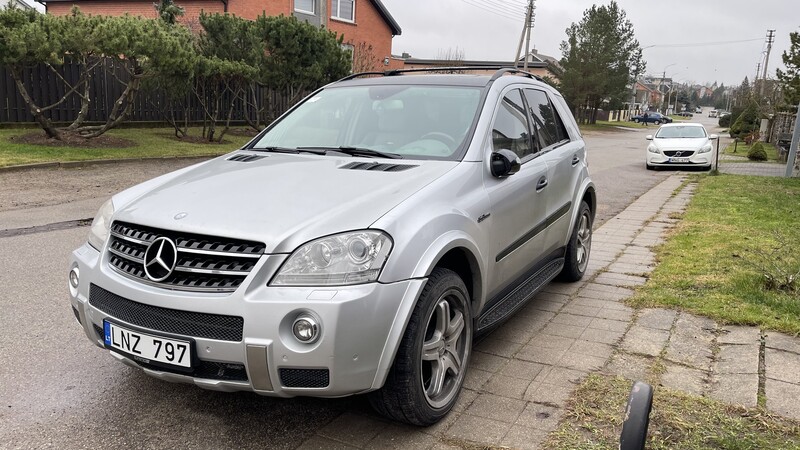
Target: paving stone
699,328
645,341
689,350
605,292
508,332
620,279
660,319
541,417
478,429
526,324
738,359
550,394
522,369
601,304
523,438
550,297
632,367
615,314
782,366
571,319
545,305
684,379
560,376
402,436
353,429
544,340
563,288
541,355
739,335
739,389
608,324
782,341
476,378
318,442
505,386
782,398
590,348
602,336
581,362
569,331
581,310
465,398
498,347
630,269
496,407
486,361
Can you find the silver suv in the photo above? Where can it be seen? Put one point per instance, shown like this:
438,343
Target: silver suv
357,245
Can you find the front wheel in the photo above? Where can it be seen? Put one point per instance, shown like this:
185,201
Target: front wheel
579,246
431,362
635,120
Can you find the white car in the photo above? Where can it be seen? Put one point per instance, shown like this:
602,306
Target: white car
680,145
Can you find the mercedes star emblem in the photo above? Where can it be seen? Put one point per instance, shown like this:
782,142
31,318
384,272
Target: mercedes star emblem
160,259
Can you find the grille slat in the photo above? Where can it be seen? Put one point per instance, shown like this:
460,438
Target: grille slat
173,321
684,153
377,167
205,263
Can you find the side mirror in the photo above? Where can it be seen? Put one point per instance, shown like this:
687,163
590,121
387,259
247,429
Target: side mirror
649,137
505,163
713,137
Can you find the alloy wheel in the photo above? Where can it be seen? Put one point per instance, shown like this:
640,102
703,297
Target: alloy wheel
444,349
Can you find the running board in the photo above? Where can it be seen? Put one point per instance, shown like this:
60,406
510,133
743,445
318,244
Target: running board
519,296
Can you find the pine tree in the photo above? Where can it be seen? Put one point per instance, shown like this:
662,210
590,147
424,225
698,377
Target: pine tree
790,80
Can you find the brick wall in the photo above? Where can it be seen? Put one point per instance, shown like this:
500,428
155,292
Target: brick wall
142,8
369,27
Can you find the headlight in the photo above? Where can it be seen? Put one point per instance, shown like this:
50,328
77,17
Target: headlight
343,259
101,225
705,149
652,148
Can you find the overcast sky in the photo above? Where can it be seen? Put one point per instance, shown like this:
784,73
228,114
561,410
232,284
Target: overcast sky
490,30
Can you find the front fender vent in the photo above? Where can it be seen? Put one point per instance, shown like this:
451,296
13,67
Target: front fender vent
377,167
244,157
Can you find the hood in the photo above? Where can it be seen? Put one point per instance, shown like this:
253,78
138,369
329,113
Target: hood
693,144
282,200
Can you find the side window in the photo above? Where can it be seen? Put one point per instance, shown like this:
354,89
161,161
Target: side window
510,130
548,127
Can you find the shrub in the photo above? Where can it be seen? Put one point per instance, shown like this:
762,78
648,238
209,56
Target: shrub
757,152
725,121
747,122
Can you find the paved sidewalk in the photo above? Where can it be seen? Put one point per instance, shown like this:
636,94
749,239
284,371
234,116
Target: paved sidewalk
522,375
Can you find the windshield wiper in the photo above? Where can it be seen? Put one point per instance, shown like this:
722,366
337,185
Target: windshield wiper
287,150
356,151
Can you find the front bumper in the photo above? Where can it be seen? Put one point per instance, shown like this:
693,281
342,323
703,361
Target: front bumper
696,160
360,327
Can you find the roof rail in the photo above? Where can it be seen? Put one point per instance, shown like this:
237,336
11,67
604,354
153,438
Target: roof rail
394,72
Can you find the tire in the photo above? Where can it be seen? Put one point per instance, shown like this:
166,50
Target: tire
409,394
579,246
637,417
635,120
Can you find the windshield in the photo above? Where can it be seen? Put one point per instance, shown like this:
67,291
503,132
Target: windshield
423,122
681,132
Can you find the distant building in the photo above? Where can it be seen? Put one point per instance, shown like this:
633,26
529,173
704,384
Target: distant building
21,4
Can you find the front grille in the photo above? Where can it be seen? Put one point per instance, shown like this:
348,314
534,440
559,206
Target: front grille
683,153
304,378
204,263
208,370
187,323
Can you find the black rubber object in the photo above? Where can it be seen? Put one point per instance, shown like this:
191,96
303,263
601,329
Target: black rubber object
637,417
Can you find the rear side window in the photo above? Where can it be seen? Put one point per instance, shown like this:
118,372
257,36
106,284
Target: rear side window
547,125
510,130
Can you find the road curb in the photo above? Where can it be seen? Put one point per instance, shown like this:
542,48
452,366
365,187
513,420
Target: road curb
97,162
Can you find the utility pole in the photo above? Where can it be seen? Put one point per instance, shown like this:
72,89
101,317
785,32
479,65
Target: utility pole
530,17
770,40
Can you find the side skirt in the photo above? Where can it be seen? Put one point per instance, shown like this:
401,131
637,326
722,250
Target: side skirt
514,300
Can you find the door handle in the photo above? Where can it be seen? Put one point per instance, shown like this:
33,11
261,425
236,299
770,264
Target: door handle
541,184
575,160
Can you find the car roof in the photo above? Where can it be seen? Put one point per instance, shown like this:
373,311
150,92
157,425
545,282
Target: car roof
682,124
428,79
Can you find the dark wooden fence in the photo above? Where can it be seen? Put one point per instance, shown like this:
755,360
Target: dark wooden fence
151,105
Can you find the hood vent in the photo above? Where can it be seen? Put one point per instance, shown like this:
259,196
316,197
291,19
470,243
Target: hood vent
377,167
244,157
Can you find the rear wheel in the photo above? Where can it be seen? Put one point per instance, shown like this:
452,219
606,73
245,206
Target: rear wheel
431,362
635,120
579,246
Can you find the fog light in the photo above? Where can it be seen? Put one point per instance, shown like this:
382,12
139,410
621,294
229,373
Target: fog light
74,277
305,329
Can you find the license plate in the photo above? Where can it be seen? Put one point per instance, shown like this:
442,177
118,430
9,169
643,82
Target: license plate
148,348
679,160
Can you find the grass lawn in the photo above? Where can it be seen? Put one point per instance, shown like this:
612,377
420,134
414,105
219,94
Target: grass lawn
678,118
148,142
715,261
605,125
742,149
677,421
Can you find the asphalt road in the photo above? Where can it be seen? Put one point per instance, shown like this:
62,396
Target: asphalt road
58,390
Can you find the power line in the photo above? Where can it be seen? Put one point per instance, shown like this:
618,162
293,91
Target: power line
700,44
505,7
489,9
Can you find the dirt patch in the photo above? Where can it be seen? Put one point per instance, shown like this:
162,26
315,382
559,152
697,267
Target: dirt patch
243,132
72,140
192,139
